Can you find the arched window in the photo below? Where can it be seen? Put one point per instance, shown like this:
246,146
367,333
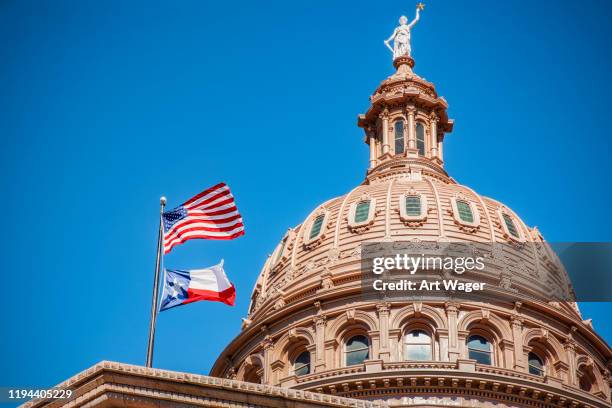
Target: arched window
465,211
357,350
279,251
413,205
510,225
301,364
253,374
417,346
586,379
399,137
536,364
315,229
479,349
362,211
420,138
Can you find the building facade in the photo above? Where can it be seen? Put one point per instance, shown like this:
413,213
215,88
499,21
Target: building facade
309,327
312,339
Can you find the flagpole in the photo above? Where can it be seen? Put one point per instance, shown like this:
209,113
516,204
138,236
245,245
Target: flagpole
160,237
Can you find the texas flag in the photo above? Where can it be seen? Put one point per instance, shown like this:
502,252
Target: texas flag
182,287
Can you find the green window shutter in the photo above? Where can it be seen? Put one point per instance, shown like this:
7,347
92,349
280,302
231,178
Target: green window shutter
413,205
316,226
510,225
465,211
362,211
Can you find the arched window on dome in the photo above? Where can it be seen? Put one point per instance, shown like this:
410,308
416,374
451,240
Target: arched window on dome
479,349
357,350
420,138
278,254
418,346
399,137
465,211
301,364
362,211
315,229
413,208
413,205
536,364
509,226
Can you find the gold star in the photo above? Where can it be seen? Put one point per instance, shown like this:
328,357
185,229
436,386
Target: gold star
420,6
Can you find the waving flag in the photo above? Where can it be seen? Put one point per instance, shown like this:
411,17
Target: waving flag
182,287
212,214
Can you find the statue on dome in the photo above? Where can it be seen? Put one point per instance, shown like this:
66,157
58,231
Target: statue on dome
401,35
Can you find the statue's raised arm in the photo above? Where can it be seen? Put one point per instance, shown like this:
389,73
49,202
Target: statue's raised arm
401,35
420,6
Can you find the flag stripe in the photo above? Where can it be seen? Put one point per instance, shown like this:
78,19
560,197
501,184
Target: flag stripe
202,202
195,225
203,193
211,214
204,222
209,231
204,236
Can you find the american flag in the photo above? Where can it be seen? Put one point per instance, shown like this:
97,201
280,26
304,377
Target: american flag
212,214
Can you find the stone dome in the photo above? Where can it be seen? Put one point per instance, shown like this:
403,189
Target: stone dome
309,328
302,263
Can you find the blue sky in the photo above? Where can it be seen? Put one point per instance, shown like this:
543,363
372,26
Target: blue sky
106,106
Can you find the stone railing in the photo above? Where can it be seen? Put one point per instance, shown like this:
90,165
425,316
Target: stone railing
483,368
418,365
331,373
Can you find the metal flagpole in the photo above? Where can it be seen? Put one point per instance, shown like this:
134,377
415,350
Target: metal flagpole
160,237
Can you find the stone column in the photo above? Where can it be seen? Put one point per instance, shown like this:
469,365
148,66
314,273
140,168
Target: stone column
268,348
454,349
440,154
442,335
411,127
570,350
385,131
384,352
319,322
517,337
433,128
372,139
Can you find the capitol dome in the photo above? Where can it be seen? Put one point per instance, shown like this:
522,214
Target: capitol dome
308,328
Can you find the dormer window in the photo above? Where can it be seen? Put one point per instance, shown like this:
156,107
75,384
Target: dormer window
465,211
279,251
399,137
413,208
361,211
412,205
315,229
508,225
420,138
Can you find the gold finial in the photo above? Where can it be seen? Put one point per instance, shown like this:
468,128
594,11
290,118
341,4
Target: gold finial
420,6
